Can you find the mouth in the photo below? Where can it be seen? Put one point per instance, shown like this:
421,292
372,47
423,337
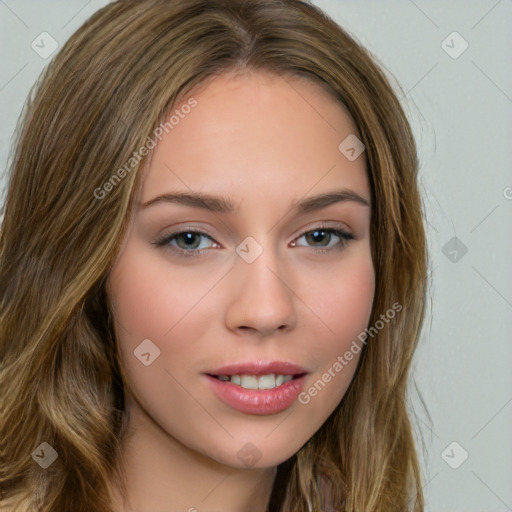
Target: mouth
259,387
267,381
258,374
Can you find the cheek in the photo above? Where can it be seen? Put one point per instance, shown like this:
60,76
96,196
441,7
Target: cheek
154,310
344,301
150,299
344,307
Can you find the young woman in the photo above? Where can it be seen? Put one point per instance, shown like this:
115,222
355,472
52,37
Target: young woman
213,270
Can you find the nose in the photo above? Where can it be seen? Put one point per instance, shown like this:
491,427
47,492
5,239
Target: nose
262,298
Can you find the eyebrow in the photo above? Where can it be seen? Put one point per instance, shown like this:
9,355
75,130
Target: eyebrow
226,205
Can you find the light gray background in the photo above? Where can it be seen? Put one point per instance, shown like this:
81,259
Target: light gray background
461,111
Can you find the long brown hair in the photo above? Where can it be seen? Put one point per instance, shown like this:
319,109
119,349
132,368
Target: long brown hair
113,83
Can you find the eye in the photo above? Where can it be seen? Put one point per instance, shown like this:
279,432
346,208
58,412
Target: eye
318,236
187,242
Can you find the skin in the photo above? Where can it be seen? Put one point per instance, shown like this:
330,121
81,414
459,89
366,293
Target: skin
264,141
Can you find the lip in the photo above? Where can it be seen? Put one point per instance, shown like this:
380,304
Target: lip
258,368
257,401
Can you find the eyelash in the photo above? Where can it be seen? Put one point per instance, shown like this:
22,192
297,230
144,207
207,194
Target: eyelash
165,240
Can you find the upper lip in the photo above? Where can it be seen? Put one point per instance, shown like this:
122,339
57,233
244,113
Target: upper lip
258,368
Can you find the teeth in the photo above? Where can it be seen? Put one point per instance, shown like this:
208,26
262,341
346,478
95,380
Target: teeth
269,381
249,381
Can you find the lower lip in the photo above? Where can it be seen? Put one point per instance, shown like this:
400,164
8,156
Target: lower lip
255,401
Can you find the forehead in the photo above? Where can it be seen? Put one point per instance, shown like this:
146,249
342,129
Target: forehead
275,134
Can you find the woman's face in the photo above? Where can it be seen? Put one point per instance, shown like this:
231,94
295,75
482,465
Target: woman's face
253,278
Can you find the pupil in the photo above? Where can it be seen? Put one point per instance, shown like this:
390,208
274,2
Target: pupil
188,237
314,235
